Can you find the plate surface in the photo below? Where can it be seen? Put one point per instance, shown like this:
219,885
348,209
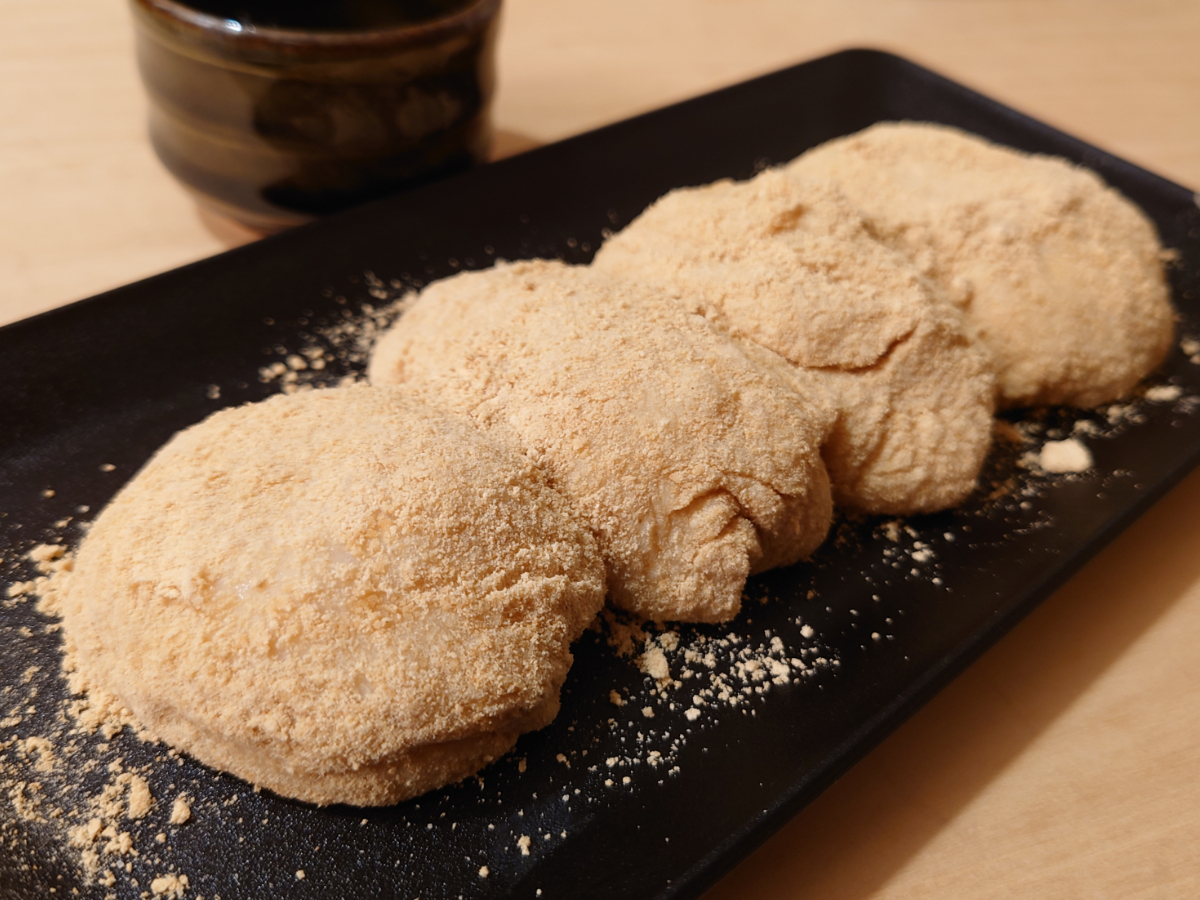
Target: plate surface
881,619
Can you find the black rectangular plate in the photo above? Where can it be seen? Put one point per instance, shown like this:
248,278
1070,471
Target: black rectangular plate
107,380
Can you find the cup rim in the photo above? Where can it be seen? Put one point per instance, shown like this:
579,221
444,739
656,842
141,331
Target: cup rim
180,14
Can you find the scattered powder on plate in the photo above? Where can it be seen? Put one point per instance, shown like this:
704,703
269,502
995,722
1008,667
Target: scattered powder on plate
693,674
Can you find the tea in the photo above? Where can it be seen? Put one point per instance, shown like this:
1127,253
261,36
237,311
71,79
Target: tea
327,15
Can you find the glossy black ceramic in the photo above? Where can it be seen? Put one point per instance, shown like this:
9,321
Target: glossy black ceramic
109,379
275,117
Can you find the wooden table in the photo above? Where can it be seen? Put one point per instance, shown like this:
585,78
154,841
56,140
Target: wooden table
1066,763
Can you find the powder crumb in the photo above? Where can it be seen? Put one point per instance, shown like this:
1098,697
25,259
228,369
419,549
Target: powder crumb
299,874
1164,393
181,810
119,843
48,493
44,553
213,392
654,664
647,712
523,842
108,467
1122,413
140,799
1069,455
43,750
170,886
692,714
86,834
483,872
20,588
26,800
807,631
615,699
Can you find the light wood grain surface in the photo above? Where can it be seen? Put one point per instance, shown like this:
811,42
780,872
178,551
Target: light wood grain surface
1066,763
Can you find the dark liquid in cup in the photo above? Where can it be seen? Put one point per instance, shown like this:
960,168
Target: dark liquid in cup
327,15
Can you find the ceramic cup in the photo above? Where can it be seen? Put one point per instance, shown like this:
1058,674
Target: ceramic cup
274,112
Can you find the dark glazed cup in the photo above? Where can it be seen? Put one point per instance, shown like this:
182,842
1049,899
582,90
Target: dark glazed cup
274,126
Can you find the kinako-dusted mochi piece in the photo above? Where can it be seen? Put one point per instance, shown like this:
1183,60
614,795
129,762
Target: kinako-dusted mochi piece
689,455
344,595
1060,276
792,265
